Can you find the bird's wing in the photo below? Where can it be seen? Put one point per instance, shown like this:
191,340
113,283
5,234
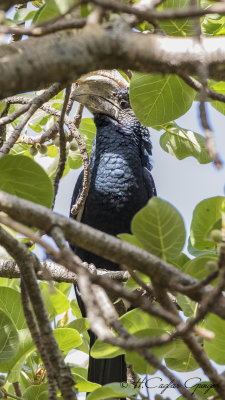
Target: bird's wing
149,183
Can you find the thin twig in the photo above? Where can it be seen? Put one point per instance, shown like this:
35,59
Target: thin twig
44,30
62,145
36,336
34,105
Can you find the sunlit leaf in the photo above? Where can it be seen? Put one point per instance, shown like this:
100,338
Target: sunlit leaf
157,99
9,341
113,390
206,216
160,228
182,143
23,177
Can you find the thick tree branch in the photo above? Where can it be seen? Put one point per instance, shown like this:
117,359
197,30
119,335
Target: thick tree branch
65,58
58,273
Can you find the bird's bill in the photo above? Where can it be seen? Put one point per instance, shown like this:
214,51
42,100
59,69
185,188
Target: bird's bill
97,90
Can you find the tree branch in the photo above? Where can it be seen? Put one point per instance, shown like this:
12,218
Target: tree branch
63,59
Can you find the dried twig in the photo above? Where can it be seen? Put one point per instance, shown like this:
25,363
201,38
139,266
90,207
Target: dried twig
62,145
34,105
44,30
36,336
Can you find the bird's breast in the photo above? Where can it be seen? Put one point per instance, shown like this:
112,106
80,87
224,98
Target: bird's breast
116,192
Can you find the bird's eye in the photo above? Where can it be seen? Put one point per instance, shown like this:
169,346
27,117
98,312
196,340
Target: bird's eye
124,104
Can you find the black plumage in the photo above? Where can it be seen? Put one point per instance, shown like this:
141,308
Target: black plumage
121,184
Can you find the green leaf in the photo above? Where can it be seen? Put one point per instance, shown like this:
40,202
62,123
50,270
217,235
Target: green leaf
218,105
26,347
160,229
113,390
180,260
57,302
52,9
181,359
83,385
204,390
81,371
23,177
194,252
187,305
75,308
130,239
213,25
9,341
8,299
182,143
20,148
2,106
139,364
206,216
22,15
215,348
105,350
197,267
176,27
137,319
67,339
36,392
87,130
80,324
157,99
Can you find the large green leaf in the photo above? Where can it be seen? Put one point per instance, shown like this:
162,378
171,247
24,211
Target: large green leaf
213,25
37,392
105,350
181,359
187,305
26,347
9,341
206,216
157,99
137,319
182,143
196,253
56,302
176,27
160,229
215,348
220,88
113,390
140,365
67,339
198,266
10,303
52,9
87,130
82,385
140,324
23,177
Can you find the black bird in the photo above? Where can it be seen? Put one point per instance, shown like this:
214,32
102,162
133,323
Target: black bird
121,182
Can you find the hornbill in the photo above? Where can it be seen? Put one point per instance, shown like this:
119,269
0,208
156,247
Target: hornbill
121,182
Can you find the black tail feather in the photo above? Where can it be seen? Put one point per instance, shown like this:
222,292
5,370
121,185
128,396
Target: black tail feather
101,370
